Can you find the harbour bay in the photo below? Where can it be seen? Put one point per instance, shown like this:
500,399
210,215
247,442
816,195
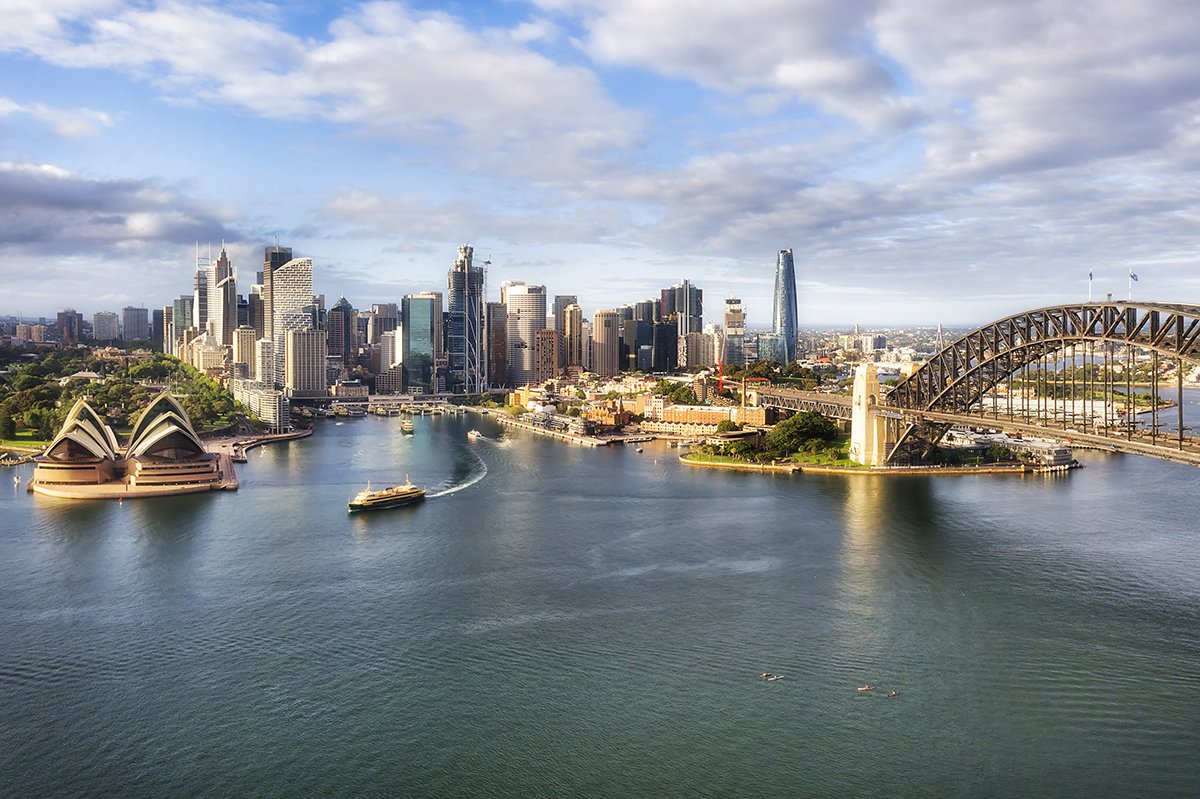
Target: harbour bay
558,621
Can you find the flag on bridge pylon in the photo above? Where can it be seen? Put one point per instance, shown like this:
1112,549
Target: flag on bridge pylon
1133,277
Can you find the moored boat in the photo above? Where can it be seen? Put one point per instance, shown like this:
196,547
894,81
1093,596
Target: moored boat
391,497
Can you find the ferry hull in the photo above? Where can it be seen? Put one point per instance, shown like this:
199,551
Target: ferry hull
384,504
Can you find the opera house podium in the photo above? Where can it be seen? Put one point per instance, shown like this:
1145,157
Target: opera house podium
162,457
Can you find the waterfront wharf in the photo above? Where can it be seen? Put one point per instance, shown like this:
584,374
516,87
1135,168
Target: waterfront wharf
588,441
813,468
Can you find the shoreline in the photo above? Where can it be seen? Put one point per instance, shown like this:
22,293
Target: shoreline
225,450
874,470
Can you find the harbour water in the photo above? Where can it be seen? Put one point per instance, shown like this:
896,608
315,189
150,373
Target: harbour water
562,621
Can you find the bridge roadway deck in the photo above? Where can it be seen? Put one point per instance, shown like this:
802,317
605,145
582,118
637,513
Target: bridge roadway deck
1139,445
835,406
838,406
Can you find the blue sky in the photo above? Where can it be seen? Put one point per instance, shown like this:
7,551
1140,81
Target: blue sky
926,160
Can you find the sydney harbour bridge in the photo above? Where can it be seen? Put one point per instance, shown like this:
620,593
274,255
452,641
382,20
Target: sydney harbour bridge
1108,375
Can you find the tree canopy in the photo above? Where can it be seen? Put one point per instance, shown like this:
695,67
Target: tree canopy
801,430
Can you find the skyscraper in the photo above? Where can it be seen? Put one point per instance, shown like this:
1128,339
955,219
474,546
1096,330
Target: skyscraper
689,305
497,344
181,319
783,317
70,325
243,350
105,326
545,356
561,303
222,298
136,324
274,258
735,332
606,343
342,323
291,304
421,337
304,372
526,311
264,361
389,352
466,352
200,292
157,319
573,330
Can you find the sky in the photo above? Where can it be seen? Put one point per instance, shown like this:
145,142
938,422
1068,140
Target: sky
926,160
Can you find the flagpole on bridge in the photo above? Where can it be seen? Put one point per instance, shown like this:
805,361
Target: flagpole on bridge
1089,288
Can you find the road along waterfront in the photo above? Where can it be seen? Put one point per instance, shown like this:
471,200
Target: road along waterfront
569,621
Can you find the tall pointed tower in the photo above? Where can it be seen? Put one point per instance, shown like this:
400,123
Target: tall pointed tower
783,318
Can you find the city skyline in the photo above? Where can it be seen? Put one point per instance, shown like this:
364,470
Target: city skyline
924,162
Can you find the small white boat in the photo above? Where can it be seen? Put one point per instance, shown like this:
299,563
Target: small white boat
474,434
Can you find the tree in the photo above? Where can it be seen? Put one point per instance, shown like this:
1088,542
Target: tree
996,453
684,396
798,372
809,426
8,425
727,426
740,449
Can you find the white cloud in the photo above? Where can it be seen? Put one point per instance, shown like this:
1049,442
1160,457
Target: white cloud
50,210
65,124
819,52
421,77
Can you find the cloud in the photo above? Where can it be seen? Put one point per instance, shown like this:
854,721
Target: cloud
1034,85
421,77
547,220
65,124
924,149
819,52
48,210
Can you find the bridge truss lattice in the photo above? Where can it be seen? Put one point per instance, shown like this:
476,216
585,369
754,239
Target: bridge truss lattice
962,379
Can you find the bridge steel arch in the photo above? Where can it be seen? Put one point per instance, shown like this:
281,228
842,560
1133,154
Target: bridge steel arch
957,377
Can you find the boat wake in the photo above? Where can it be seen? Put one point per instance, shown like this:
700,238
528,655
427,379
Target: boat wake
470,481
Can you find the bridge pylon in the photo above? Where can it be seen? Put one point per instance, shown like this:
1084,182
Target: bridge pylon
869,433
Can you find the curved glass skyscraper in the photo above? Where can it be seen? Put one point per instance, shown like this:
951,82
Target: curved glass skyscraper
783,321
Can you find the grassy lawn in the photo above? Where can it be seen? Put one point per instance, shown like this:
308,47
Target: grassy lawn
700,456
24,438
839,457
833,458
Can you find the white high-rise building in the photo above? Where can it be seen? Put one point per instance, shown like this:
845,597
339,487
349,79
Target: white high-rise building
389,353
526,308
264,361
106,326
244,350
292,291
222,298
304,371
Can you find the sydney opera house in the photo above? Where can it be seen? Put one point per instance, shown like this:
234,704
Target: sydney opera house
163,456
